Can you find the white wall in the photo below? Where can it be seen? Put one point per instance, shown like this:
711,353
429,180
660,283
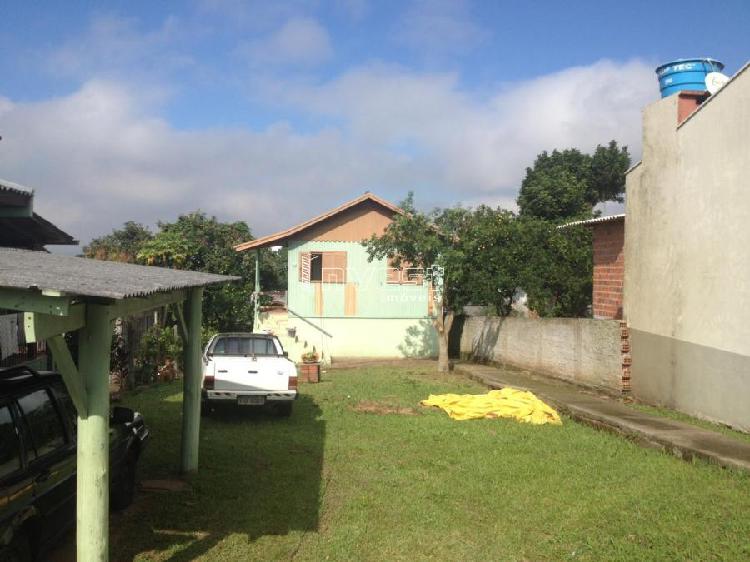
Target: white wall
687,258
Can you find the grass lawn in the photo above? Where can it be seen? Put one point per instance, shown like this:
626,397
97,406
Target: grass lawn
342,479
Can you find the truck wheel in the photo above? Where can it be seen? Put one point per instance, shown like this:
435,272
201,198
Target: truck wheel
123,490
205,409
284,409
19,550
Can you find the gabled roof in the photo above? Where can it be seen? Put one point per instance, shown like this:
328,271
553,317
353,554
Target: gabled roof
281,237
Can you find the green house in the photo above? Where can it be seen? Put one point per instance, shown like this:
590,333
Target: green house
338,303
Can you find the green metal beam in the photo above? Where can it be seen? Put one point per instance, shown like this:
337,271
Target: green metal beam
39,327
191,382
33,301
131,306
69,372
92,497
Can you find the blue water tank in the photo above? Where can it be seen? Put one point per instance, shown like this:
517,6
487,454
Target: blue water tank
685,74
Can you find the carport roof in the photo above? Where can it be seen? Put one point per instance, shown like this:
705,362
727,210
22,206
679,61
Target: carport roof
75,276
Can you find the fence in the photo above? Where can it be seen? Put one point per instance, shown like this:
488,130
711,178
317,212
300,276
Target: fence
580,350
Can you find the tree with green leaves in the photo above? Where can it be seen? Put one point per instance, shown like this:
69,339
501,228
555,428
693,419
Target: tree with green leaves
495,257
198,242
558,270
568,184
120,245
505,253
429,240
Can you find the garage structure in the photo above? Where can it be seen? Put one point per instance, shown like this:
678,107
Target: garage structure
60,294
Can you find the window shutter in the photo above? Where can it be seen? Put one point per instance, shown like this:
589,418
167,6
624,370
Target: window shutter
334,267
304,267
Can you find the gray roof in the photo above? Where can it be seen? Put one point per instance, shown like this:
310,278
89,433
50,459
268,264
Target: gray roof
26,269
31,232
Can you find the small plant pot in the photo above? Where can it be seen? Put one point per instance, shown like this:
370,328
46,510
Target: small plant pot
310,372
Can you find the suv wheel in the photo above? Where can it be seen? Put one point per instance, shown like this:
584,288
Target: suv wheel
123,490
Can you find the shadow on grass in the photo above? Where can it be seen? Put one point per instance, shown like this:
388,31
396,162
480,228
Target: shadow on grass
259,475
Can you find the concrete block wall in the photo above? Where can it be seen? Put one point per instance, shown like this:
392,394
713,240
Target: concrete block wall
579,350
609,269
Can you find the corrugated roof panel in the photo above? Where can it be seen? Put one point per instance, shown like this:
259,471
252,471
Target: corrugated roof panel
597,220
26,269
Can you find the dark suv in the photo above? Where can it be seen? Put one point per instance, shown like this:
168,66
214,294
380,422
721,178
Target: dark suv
38,461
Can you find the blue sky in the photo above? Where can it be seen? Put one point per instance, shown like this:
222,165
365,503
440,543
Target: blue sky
269,112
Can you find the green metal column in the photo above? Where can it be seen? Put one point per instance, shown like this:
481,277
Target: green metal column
93,438
256,294
191,383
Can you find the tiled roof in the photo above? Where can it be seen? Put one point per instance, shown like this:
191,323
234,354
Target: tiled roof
278,237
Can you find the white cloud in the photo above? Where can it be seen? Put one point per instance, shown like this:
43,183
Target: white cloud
113,44
104,155
482,144
439,26
298,41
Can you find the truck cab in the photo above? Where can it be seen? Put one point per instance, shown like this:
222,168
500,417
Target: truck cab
248,370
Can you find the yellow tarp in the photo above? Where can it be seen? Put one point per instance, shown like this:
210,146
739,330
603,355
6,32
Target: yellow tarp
505,403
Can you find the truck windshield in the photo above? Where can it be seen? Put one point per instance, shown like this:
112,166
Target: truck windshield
244,345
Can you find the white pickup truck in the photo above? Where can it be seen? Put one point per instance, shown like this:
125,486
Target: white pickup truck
245,369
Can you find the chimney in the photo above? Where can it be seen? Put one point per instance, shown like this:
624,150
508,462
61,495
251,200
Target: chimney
688,101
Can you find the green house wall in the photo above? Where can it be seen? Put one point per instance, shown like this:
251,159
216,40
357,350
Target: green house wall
375,298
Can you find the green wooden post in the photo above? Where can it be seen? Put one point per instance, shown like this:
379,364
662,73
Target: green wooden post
191,382
256,294
93,438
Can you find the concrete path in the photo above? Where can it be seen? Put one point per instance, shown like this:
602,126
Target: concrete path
681,439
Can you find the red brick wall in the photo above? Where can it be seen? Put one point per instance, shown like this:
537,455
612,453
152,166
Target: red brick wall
609,239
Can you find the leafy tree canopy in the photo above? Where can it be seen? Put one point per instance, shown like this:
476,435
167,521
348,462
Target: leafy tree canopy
488,256
198,242
121,245
558,271
425,240
567,184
